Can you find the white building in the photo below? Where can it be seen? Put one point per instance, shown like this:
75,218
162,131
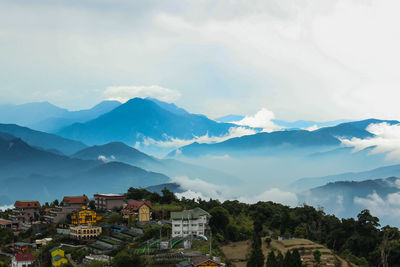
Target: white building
190,222
22,260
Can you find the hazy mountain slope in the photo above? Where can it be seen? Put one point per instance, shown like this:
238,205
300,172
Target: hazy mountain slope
117,151
54,123
42,139
387,171
283,140
45,116
138,119
27,114
28,172
345,198
17,158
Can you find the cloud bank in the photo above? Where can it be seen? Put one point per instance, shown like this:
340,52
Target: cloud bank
207,139
124,93
386,140
197,188
262,119
388,206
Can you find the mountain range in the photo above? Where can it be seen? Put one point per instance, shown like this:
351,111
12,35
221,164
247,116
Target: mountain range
281,141
26,171
386,171
143,119
347,198
44,116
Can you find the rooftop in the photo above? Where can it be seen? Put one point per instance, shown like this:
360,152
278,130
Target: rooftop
27,204
24,257
189,214
135,205
76,200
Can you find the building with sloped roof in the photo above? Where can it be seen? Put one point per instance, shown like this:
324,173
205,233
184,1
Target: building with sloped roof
26,211
22,260
140,210
190,222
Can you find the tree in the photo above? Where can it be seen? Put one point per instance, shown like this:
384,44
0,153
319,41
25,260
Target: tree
296,259
272,261
317,256
219,219
268,240
167,196
123,259
256,257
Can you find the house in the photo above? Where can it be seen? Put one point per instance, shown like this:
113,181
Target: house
201,261
109,201
26,211
189,222
140,210
204,261
57,256
69,204
83,216
22,260
9,224
85,232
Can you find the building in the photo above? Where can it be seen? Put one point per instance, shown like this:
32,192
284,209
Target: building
189,222
201,261
43,242
69,204
22,260
84,232
26,211
9,224
109,201
97,258
140,210
83,216
58,257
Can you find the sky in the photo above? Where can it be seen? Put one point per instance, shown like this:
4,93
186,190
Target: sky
300,59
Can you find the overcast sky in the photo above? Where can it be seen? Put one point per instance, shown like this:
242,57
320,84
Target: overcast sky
320,60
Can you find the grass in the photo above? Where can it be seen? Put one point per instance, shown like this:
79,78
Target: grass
109,241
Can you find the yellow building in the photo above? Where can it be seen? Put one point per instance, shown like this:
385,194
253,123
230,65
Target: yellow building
84,216
140,210
84,232
58,257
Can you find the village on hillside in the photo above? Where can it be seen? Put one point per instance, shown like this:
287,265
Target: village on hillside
151,230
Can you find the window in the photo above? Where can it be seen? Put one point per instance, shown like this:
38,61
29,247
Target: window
194,224
200,224
177,232
194,232
177,225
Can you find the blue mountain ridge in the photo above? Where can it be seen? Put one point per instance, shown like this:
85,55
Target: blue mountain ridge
139,119
263,142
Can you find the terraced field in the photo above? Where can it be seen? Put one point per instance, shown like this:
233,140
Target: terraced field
237,252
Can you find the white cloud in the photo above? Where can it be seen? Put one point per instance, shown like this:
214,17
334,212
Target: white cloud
262,119
386,139
195,188
6,207
124,93
389,207
106,159
206,139
312,128
275,195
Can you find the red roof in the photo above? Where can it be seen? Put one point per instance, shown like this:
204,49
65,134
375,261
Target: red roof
135,205
24,257
201,259
27,204
76,200
5,222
